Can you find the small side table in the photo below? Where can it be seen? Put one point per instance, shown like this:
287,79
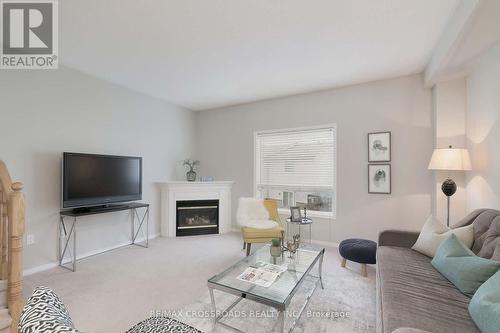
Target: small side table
305,221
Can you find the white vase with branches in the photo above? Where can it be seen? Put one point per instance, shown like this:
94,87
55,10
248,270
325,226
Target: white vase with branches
191,174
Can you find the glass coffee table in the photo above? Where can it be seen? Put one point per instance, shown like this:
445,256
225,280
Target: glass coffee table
280,293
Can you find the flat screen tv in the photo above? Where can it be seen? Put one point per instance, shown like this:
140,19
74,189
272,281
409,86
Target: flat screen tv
98,180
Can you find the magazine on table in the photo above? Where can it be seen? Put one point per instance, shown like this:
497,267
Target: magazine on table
262,274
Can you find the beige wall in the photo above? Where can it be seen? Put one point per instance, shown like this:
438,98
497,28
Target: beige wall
44,113
403,106
483,132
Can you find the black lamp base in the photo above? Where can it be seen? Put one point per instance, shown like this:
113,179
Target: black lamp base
449,187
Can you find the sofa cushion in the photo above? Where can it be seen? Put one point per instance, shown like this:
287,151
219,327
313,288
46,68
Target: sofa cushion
434,233
261,224
261,233
486,232
413,294
485,305
462,267
487,235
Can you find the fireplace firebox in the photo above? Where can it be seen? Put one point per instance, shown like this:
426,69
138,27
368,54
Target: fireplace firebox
197,217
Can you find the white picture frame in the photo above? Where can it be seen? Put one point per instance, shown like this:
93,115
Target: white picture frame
379,147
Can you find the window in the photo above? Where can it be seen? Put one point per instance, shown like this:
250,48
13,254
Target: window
297,167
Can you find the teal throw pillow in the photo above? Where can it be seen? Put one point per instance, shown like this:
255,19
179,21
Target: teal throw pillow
484,308
462,267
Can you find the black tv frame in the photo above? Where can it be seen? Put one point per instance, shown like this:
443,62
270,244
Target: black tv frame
96,202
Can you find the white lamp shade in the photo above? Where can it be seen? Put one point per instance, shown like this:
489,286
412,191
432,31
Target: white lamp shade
450,159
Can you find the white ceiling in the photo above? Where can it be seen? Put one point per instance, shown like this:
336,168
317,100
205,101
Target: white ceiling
202,54
482,33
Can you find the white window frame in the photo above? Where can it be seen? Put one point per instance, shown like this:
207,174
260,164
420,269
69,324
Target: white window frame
286,211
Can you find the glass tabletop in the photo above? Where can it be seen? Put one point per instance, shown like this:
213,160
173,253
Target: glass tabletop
305,257
305,220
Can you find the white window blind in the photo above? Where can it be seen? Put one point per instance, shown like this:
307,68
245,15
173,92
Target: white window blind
301,159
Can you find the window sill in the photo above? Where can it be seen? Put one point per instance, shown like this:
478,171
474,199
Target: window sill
310,213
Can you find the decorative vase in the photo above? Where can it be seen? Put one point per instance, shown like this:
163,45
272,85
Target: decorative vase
191,176
275,251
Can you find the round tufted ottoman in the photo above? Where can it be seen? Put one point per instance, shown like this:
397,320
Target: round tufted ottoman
362,251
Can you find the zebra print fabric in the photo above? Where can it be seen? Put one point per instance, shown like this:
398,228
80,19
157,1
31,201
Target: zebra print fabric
162,325
44,312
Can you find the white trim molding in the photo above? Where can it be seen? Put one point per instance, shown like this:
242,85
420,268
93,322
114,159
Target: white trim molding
46,267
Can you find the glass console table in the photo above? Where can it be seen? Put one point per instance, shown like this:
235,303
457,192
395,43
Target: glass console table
280,293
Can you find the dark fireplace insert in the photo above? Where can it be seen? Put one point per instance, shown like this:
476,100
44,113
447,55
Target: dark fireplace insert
197,217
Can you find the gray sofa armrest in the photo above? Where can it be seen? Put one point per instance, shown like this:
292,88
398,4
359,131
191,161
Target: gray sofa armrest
397,238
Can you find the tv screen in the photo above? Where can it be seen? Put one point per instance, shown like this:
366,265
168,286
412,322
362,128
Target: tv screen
91,180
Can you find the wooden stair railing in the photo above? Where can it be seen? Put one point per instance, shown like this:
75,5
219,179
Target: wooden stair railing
12,220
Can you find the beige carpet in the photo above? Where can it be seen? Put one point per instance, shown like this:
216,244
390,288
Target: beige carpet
113,291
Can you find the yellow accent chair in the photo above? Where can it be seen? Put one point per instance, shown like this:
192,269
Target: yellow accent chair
263,235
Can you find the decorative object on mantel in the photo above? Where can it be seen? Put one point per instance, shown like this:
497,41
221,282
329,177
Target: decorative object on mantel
379,147
450,159
207,179
379,178
191,174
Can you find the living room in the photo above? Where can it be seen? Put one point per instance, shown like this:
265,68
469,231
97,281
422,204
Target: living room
169,151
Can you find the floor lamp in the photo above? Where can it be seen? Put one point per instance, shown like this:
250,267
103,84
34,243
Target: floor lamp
450,159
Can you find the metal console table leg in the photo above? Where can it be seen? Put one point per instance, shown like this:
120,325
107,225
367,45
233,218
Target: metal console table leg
68,236
68,223
142,222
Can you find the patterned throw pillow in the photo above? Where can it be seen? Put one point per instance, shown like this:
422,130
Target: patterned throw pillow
45,313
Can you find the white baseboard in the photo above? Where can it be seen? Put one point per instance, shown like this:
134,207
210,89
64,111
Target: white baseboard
51,265
325,243
40,268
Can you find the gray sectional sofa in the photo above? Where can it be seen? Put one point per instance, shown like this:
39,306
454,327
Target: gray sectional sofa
412,296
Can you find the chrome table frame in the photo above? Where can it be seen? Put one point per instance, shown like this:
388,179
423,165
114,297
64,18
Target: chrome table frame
279,306
67,231
309,222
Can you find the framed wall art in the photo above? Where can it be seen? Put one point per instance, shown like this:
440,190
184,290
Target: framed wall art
379,147
379,178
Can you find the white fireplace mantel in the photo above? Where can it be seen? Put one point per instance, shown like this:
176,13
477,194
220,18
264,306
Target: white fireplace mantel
174,191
